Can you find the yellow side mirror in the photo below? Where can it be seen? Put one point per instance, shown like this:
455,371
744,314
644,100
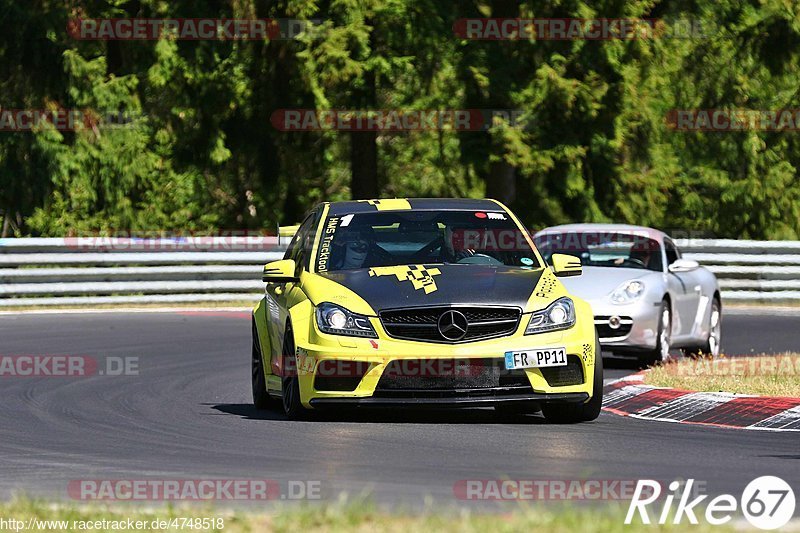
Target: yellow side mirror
279,271
566,265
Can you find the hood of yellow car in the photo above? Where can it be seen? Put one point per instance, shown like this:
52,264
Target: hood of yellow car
437,284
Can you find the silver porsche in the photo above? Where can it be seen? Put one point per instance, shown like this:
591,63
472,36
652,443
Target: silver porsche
647,300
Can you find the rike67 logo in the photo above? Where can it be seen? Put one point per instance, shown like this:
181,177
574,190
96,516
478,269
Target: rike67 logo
767,502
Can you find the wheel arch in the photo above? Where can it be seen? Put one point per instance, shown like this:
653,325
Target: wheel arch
259,320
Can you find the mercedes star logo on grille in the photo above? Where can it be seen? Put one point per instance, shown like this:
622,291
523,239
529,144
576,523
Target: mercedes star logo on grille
453,325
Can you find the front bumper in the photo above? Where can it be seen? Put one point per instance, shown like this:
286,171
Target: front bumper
317,351
636,324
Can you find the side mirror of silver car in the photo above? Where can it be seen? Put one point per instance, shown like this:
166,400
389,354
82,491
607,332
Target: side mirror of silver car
683,265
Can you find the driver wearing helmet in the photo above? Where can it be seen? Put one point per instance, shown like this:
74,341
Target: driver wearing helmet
638,255
454,249
354,249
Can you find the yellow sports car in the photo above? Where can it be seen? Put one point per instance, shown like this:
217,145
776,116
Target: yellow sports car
438,302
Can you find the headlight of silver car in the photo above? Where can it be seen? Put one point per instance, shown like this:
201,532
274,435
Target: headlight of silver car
558,315
628,292
337,320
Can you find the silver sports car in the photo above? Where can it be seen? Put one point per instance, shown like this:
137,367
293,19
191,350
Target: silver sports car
646,299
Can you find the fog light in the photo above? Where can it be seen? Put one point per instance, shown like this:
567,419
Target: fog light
614,322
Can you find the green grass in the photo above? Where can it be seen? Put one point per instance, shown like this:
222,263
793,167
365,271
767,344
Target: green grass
362,517
764,375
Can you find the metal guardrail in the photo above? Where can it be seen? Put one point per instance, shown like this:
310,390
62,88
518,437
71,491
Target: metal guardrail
98,271
70,272
749,271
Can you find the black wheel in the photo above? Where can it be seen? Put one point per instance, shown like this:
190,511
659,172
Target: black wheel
261,399
569,413
290,385
712,346
664,338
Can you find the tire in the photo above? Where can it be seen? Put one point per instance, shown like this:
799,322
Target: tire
570,413
712,346
290,385
661,351
261,398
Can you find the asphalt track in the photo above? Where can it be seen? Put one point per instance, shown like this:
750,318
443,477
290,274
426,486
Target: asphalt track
187,414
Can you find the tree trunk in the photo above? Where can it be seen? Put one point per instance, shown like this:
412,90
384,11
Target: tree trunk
6,224
364,144
501,184
364,165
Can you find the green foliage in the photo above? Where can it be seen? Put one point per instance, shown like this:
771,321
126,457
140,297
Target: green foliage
198,151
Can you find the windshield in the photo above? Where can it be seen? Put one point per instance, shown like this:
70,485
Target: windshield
393,238
603,249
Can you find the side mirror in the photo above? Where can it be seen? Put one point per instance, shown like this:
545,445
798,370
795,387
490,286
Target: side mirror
566,265
280,271
683,265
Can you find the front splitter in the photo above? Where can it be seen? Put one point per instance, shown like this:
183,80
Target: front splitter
463,401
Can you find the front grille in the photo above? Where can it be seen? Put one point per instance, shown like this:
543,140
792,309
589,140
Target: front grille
607,332
421,324
450,378
562,376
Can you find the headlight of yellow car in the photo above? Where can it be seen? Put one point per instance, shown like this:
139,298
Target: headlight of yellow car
558,315
337,320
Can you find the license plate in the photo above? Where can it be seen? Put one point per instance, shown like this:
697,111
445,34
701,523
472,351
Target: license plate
536,357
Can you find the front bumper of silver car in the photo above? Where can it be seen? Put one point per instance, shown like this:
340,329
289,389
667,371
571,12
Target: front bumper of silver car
629,327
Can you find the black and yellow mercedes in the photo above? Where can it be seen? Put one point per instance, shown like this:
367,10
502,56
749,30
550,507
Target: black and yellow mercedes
423,302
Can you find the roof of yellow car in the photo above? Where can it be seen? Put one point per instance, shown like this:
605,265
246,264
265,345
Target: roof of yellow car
404,204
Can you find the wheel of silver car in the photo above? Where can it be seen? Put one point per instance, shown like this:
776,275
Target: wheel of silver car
715,329
712,346
714,340
665,332
663,339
